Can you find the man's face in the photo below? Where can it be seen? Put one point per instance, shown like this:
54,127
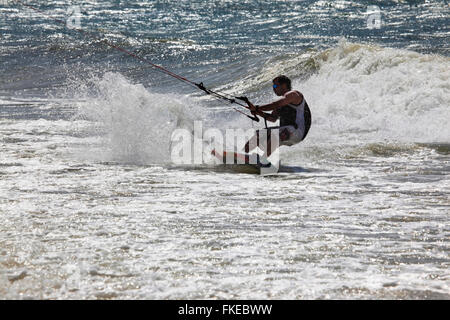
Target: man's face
277,88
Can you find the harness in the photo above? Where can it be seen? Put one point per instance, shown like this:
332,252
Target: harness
288,116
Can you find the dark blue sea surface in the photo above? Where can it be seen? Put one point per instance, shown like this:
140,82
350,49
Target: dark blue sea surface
216,42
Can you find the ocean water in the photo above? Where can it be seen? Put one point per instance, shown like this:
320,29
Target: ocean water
92,206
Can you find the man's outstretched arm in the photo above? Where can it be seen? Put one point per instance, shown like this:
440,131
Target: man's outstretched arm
272,117
291,97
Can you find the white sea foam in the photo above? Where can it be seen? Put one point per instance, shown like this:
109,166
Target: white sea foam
365,93
136,124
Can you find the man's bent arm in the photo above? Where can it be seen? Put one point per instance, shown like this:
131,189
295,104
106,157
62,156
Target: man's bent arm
288,99
271,117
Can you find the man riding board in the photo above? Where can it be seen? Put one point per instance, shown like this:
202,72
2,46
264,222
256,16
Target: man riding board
292,111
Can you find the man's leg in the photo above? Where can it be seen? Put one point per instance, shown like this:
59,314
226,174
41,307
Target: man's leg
265,143
254,142
262,139
267,148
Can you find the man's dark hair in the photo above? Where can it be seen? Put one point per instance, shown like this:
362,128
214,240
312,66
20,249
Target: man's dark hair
284,79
